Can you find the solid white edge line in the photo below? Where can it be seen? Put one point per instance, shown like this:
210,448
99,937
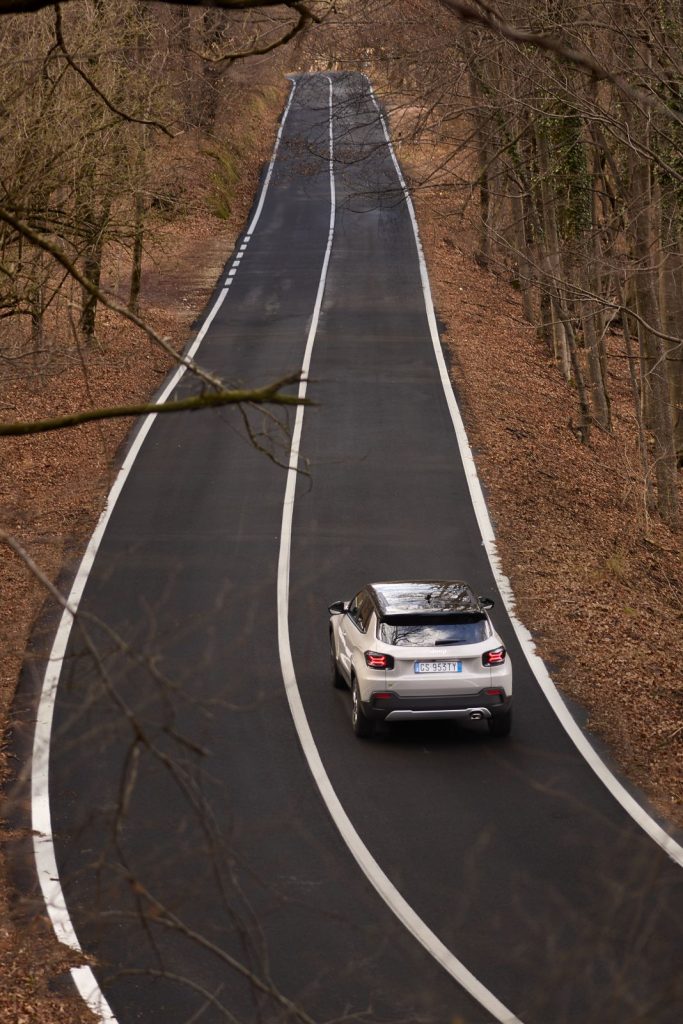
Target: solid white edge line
43,839
538,667
367,863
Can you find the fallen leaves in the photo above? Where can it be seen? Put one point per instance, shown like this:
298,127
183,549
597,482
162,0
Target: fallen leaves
600,589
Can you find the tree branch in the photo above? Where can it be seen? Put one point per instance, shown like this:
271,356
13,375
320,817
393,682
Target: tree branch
207,400
59,35
34,568
30,6
483,14
43,243
305,16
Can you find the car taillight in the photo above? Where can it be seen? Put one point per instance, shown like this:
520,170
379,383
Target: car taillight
373,660
494,657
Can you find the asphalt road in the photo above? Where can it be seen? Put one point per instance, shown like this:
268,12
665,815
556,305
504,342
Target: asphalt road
199,863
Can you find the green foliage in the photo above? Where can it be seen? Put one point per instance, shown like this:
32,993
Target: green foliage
227,153
618,564
223,179
569,175
264,99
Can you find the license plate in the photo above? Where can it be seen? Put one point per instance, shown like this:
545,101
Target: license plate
437,666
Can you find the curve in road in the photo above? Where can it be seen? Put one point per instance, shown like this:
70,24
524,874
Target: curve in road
196,858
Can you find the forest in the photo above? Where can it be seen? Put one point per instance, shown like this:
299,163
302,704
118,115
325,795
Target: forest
567,119
547,132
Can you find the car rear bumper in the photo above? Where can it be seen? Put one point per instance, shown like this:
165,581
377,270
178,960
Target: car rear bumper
467,707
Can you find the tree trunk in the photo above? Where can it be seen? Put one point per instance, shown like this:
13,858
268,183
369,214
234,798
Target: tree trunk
590,316
523,264
212,22
140,166
545,327
584,410
554,258
483,169
671,293
653,346
642,437
136,269
92,266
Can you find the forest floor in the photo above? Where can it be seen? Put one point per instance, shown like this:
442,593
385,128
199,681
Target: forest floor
53,486
597,582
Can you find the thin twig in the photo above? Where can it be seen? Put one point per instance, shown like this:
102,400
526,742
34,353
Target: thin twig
89,82
305,16
47,246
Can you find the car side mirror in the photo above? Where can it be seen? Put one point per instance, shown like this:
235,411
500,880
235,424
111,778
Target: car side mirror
338,608
486,602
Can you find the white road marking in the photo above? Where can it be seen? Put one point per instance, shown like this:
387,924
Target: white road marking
367,863
43,839
587,751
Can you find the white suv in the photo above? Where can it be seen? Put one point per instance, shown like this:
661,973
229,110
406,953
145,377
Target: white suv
418,650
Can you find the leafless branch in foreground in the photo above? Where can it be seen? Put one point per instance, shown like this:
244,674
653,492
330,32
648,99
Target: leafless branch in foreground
271,394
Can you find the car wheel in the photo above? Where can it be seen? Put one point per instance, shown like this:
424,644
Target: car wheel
338,680
500,725
362,726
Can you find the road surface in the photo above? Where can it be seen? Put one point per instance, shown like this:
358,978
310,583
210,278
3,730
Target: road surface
199,863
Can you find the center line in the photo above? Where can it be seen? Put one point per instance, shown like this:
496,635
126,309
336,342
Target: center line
367,863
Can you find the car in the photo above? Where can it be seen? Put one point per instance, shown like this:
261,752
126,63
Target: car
414,650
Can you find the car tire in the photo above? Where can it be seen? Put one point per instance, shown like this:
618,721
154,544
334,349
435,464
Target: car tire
338,680
362,726
500,725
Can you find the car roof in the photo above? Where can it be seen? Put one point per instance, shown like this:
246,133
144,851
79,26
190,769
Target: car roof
423,597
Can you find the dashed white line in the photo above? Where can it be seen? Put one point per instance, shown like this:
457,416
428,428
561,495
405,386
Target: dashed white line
41,820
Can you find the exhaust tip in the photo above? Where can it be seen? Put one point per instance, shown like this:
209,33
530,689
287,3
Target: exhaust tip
476,716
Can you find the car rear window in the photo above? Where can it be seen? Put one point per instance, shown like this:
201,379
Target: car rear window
433,630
